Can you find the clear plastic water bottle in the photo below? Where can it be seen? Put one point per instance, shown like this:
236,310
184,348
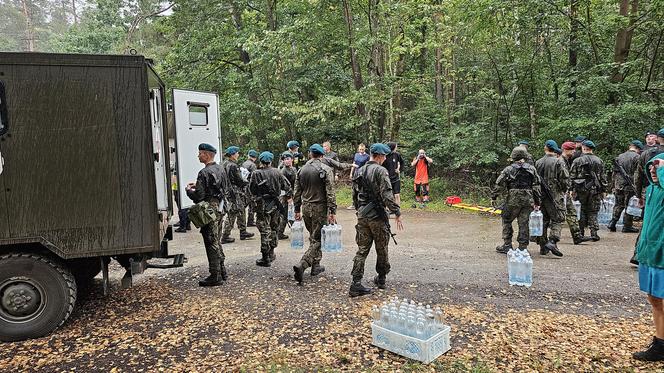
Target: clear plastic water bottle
291,211
297,235
401,324
536,223
339,242
577,207
375,314
633,207
420,331
511,259
620,223
325,238
528,266
385,316
410,326
520,268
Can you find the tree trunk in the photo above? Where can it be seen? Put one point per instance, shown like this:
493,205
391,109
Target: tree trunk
438,65
573,45
29,27
624,38
358,83
271,14
74,12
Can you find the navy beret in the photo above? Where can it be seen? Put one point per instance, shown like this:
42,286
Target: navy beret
379,148
266,157
232,150
252,153
589,144
316,149
292,144
207,148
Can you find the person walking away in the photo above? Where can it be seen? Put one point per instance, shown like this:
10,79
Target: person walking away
394,163
578,142
235,211
208,188
522,185
623,185
289,172
570,211
554,182
250,165
359,159
526,145
590,184
266,186
650,254
315,203
421,183
372,194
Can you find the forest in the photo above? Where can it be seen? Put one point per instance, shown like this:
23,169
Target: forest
463,79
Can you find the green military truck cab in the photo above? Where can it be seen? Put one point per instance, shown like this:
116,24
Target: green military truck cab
84,177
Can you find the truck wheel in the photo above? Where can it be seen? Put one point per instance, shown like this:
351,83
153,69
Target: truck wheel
37,294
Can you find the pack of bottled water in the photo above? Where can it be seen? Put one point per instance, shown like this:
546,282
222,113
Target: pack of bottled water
519,268
633,207
410,329
297,235
331,238
605,214
621,222
536,223
577,207
291,211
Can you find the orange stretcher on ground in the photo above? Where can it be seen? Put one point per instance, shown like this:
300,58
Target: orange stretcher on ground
455,201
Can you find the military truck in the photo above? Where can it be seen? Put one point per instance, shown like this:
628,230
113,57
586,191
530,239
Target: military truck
85,177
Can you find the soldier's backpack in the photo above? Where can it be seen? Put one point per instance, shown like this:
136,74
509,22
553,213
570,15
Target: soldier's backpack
201,214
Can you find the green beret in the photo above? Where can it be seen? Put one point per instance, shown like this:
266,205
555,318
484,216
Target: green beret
207,148
638,144
589,144
379,148
660,133
523,142
580,139
232,150
292,144
252,153
316,149
266,157
285,155
519,153
552,145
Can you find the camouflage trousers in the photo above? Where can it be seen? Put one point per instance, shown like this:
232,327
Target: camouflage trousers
570,217
622,199
520,212
315,217
235,216
283,220
268,223
590,204
251,213
213,249
367,233
554,216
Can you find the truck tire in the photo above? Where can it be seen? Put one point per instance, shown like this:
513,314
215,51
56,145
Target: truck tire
37,295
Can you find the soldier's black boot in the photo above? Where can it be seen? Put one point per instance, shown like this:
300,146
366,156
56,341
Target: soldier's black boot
299,273
503,249
317,269
250,221
553,247
594,236
271,255
655,351
264,261
380,281
223,273
543,249
181,230
227,239
244,235
578,240
282,236
211,281
633,260
612,225
358,290
629,230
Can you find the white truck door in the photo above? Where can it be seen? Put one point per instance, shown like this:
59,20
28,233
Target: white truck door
196,121
159,150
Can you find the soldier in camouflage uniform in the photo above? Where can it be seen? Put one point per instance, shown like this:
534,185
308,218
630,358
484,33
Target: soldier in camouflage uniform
623,185
372,194
266,185
525,145
570,211
315,203
289,173
522,185
235,209
209,188
250,165
590,183
554,178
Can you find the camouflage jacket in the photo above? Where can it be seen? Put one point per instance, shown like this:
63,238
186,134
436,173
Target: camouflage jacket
627,163
553,172
588,174
314,183
521,182
211,184
371,183
266,185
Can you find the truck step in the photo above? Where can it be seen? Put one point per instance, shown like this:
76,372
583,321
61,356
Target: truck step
178,261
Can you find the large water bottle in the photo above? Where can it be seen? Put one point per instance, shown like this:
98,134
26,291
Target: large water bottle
324,238
297,235
536,223
339,242
511,258
520,268
291,211
577,207
528,267
633,207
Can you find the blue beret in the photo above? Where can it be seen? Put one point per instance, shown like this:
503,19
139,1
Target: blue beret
660,133
316,149
232,150
551,144
580,139
379,148
638,144
523,142
286,155
252,153
266,157
589,144
207,148
292,144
